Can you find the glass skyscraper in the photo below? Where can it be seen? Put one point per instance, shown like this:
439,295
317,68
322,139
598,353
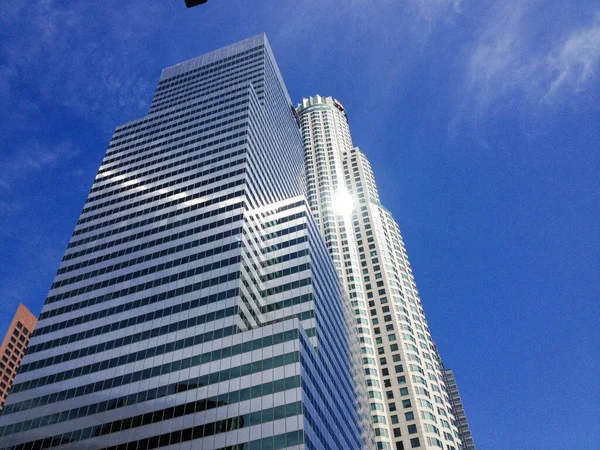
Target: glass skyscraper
197,305
409,400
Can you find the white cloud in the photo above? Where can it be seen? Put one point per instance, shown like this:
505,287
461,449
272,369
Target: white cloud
574,61
516,57
498,57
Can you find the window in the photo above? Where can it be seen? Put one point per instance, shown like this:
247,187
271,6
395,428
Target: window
414,442
412,429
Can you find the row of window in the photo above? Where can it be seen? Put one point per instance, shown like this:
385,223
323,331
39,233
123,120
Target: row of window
285,272
147,270
132,338
149,244
258,86
286,257
204,79
192,91
201,301
107,328
150,270
216,118
117,361
96,300
138,180
161,140
168,215
224,78
161,229
175,366
210,68
169,154
193,110
175,437
144,188
161,205
146,285
192,151
153,394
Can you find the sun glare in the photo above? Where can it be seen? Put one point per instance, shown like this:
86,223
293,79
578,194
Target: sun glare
343,203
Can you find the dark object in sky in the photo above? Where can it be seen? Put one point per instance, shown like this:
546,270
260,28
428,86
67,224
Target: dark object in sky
190,3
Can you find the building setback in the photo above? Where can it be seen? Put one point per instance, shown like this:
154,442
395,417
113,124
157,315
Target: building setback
14,347
196,305
409,401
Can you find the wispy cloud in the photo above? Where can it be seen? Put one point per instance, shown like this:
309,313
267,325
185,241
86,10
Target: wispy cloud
56,51
517,57
431,10
32,158
575,61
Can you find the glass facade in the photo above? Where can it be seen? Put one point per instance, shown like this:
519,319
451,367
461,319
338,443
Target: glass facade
196,305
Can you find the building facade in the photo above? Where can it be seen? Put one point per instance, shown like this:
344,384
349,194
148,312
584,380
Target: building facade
409,400
13,348
196,305
459,411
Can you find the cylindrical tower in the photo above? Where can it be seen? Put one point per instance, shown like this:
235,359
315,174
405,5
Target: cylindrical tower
409,403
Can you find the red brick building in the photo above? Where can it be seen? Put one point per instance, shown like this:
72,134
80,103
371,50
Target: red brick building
13,348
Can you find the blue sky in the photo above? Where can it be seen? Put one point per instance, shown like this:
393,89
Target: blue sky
480,118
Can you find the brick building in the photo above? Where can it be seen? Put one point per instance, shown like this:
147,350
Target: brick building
13,348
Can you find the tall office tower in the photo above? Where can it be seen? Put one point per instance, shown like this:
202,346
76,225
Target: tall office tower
13,347
196,305
409,402
459,411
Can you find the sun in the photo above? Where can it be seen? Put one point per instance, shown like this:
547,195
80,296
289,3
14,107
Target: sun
343,204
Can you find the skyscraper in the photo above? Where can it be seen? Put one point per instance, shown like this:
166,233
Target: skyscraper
196,305
409,402
13,347
459,411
